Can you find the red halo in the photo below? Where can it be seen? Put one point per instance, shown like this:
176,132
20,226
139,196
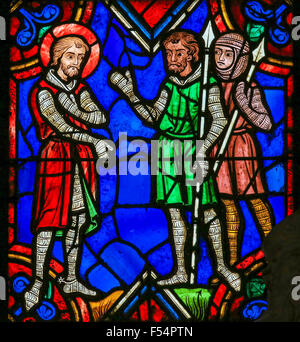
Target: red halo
72,30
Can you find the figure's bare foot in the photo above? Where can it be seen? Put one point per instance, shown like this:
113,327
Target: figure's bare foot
233,279
178,278
32,296
74,286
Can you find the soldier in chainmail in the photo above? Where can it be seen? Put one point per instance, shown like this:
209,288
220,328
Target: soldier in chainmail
175,113
240,176
66,193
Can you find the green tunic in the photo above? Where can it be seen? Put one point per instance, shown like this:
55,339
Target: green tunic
180,123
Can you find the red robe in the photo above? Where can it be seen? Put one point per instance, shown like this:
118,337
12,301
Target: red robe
239,177
54,178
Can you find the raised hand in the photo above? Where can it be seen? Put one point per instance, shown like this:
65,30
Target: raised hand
201,168
124,83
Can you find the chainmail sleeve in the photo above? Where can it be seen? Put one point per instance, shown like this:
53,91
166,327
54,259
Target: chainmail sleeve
56,120
218,118
259,115
256,112
152,113
91,114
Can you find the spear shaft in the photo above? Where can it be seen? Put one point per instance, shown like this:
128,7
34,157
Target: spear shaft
258,55
208,37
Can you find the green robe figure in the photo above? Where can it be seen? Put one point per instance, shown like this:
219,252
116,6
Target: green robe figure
176,113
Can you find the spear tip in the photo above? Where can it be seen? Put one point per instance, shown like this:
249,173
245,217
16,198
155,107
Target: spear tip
259,53
208,35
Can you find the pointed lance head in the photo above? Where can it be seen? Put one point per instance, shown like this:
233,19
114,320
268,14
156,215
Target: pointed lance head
208,35
259,53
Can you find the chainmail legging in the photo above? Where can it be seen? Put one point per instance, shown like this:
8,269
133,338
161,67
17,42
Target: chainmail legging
262,213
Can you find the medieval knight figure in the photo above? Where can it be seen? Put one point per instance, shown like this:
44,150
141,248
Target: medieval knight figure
240,173
66,193
175,113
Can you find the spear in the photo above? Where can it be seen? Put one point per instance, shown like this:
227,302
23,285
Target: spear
258,55
208,37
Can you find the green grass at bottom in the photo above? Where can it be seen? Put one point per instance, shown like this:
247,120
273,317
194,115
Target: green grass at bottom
196,300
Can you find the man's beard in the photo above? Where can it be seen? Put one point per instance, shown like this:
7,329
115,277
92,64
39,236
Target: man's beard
70,71
177,69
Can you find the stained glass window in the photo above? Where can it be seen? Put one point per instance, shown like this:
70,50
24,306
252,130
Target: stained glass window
107,99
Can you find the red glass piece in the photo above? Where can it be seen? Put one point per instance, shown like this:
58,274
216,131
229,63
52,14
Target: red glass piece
157,11
144,311
15,54
83,309
158,315
32,52
139,6
68,7
220,294
14,25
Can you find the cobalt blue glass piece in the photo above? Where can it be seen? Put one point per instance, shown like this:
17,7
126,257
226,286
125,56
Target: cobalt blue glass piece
33,140
100,278
266,80
274,18
48,14
88,260
143,227
162,259
251,238
272,144
100,22
24,219
58,252
254,309
138,61
114,47
276,178
255,11
131,304
204,270
27,177
132,45
108,192
124,61
144,78
105,234
20,283
124,260
24,116
23,147
18,311
135,300
123,119
197,19
129,185
46,311
98,82
277,203
276,101
179,7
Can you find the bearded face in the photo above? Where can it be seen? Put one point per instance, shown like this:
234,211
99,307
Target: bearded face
71,62
178,58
